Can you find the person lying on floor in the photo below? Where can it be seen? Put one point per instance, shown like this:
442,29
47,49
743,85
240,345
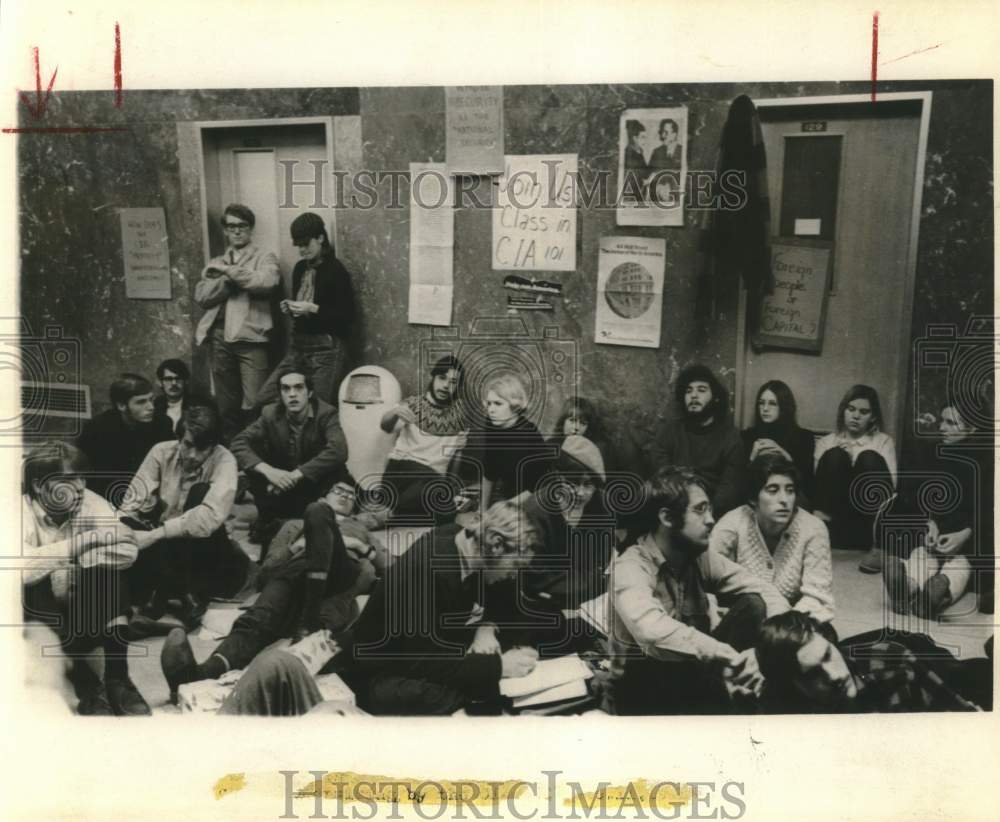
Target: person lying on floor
292,453
75,553
938,572
316,568
178,503
665,658
806,673
778,541
413,651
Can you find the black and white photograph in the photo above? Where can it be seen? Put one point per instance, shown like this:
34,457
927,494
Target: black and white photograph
652,170
284,460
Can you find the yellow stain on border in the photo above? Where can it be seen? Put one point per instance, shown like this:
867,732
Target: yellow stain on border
230,783
635,794
349,786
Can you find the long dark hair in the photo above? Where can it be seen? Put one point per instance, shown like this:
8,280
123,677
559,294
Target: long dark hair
787,407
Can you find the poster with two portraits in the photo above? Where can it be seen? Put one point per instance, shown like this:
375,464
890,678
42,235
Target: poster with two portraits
652,166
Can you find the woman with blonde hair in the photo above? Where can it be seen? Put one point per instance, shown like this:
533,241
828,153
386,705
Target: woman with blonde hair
514,453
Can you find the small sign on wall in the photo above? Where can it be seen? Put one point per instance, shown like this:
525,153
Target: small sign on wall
474,129
145,253
794,316
534,221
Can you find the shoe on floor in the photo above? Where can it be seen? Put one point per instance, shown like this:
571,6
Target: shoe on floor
190,612
142,627
899,586
935,597
155,608
177,661
871,562
125,698
95,702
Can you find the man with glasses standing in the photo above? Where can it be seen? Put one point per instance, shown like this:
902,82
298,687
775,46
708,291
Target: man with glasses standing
235,291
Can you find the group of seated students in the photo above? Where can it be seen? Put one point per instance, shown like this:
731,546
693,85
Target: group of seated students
524,531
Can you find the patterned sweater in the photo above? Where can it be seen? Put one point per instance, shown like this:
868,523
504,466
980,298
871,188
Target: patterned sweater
440,431
800,567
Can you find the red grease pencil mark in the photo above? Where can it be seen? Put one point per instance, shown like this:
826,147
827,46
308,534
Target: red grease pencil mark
37,111
874,53
118,67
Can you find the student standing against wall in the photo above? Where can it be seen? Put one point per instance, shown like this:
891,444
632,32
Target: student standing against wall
321,305
235,291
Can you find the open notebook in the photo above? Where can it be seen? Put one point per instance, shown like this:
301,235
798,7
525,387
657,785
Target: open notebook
552,680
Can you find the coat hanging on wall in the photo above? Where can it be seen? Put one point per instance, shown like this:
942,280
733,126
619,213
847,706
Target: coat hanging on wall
736,242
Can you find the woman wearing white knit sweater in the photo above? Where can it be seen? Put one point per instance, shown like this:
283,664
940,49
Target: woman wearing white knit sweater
778,541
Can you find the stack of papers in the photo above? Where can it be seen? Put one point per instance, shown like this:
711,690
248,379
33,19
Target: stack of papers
597,612
552,680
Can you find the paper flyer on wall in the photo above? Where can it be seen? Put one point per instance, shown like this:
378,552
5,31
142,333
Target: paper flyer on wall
534,221
652,166
432,242
474,129
145,253
629,291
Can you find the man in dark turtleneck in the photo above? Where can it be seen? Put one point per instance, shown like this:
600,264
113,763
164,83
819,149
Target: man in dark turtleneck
117,440
703,437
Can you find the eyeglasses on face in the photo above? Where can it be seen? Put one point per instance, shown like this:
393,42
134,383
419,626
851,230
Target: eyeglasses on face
237,226
171,379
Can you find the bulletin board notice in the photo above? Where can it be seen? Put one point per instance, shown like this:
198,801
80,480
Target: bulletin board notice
145,253
794,316
534,220
474,129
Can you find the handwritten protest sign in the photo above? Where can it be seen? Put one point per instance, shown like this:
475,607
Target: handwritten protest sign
534,220
795,314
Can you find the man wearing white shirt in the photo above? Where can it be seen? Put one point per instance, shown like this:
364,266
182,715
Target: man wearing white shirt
666,659
75,551
180,498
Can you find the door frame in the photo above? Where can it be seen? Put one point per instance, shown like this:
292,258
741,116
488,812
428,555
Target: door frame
205,125
902,366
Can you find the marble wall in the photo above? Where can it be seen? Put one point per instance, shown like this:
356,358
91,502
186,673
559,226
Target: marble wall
72,185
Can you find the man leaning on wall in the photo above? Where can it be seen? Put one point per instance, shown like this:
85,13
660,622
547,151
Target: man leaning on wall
235,290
